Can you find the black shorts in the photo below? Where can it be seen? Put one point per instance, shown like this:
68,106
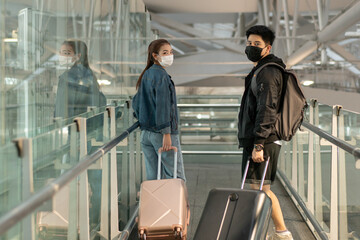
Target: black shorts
256,170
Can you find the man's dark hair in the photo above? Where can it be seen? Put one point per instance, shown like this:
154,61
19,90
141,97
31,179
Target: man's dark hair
264,32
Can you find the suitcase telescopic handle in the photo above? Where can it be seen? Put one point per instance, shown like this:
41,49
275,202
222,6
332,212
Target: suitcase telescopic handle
159,161
263,176
172,148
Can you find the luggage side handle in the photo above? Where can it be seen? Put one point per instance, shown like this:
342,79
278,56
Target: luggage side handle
263,176
159,161
231,197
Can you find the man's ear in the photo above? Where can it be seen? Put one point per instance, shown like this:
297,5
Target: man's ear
269,47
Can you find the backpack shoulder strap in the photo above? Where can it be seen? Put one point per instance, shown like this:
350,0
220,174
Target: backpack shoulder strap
253,80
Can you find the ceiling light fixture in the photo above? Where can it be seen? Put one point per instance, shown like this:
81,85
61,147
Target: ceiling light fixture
307,83
103,82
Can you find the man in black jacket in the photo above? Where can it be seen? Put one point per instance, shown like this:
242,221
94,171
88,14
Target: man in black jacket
257,117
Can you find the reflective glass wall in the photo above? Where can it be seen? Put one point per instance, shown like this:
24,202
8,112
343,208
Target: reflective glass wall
58,58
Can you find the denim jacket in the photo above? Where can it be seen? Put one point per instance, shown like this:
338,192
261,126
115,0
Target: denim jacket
77,90
155,102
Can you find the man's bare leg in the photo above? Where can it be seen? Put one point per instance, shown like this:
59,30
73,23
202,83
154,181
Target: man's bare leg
276,214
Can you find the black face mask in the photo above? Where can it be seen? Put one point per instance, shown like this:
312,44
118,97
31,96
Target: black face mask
253,53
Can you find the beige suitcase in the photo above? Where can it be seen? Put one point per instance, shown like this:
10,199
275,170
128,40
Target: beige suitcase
164,211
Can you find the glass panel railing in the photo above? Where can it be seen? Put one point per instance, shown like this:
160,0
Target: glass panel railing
97,189
37,225
325,118
305,161
205,123
52,154
97,133
121,124
309,162
130,172
349,199
208,99
350,127
323,174
10,178
319,115
205,127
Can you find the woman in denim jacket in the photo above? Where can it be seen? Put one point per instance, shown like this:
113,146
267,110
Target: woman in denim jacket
155,107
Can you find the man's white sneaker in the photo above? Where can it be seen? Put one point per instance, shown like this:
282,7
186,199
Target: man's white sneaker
282,235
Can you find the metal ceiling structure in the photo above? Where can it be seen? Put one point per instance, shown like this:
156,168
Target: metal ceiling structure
310,37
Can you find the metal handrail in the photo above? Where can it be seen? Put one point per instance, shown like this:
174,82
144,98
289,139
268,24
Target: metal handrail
208,96
355,151
212,152
125,233
46,193
320,231
212,105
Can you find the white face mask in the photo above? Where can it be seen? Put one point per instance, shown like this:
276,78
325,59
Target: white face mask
65,61
167,61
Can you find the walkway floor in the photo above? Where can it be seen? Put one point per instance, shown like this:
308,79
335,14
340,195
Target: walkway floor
203,177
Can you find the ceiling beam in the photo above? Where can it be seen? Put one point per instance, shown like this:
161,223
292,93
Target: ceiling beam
177,39
196,32
345,54
217,63
332,30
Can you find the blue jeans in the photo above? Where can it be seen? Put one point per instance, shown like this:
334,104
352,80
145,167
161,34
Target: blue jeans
150,143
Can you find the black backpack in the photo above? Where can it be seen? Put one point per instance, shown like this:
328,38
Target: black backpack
292,103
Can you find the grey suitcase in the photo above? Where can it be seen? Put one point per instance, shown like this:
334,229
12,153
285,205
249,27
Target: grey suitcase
235,214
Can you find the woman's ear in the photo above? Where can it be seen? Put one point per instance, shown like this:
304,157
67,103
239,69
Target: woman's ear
154,55
77,57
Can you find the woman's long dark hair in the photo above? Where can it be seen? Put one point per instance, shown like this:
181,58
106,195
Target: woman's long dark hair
79,47
154,47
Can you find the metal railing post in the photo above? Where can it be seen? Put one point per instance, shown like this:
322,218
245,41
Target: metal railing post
301,189
294,173
334,217
143,169
138,166
310,191
84,184
74,187
343,223
318,206
287,160
57,141
132,171
104,212
25,150
179,123
114,214
125,178
282,159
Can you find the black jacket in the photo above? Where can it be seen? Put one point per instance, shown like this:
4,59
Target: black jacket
258,114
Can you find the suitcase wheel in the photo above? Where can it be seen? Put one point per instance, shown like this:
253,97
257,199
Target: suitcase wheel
138,196
142,235
178,233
